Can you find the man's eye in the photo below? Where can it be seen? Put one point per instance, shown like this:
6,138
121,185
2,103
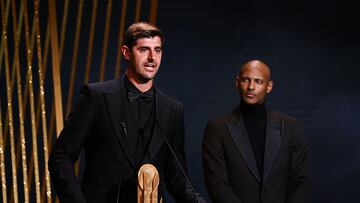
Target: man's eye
142,50
260,82
158,50
244,79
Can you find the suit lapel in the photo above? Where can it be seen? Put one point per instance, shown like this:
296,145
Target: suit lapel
241,139
116,105
272,143
162,110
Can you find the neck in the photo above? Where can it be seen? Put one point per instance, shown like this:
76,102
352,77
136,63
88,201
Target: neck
248,108
139,84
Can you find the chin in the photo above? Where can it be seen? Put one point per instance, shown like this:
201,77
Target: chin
149,77
146,78
252,102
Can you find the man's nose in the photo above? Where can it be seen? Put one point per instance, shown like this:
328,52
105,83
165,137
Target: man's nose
251,85
150,56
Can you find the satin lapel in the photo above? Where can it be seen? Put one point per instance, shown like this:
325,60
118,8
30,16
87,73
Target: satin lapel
272,143
241,139
116,105
162,110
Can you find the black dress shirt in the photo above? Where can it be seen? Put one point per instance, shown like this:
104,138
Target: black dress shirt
142,110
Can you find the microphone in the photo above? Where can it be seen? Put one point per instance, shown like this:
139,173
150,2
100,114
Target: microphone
124,126
177,161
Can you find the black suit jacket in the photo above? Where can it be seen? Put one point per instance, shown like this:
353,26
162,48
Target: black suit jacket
230,169
98,125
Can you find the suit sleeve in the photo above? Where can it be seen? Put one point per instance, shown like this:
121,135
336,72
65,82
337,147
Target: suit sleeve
299,181
214,166
176,182
67,149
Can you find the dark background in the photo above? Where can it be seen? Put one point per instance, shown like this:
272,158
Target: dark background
312,48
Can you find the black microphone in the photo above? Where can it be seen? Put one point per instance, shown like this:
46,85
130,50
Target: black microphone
177,161
124,127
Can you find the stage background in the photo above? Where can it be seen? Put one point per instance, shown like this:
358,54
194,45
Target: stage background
312,48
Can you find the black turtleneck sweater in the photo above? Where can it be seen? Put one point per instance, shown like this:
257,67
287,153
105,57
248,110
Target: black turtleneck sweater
255,123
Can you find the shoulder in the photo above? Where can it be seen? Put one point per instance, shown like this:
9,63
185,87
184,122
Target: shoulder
276,115
287,119
109,86
166,99
216,129
231,117
220,120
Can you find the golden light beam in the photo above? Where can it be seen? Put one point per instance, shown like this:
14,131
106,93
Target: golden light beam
16,67
55,67
137,10
74,58
120,38
106,41
32,105
91,41
2,163
42,103
9,101
153,11
63,29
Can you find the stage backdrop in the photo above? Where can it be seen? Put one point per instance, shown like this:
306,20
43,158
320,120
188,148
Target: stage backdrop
312,48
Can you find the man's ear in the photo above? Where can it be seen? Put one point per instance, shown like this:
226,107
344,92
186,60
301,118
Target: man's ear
126,52
269,86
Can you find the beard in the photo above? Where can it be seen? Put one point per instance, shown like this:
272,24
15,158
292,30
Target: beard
145,76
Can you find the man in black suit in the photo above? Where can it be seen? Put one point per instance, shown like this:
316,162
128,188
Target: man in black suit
122,124
254,154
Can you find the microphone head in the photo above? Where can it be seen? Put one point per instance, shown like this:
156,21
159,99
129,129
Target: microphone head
123,124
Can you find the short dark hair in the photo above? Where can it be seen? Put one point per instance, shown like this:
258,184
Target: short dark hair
141,30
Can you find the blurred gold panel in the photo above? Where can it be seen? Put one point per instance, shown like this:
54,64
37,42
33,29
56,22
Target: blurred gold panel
153,11
55,66
137,10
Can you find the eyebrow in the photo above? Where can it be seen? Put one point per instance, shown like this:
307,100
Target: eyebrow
242,76
148,47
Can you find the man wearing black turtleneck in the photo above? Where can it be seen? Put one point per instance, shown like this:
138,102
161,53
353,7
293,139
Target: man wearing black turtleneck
254,154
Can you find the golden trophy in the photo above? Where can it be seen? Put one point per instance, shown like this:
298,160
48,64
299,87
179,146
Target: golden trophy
148,182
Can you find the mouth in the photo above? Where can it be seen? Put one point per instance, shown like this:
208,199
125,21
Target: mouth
249,95
150,66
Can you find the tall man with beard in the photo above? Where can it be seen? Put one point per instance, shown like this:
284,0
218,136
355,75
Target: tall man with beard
122,124
254,154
